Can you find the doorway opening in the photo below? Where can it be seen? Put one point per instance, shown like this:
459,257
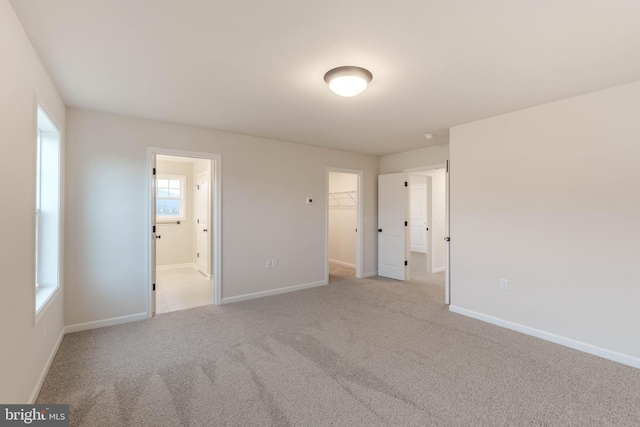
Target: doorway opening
427,208
185,241
344,224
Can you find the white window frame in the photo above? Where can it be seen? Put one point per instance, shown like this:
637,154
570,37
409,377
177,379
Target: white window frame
48,211
163,219
38,173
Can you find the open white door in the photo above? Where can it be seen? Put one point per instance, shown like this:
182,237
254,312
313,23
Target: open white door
153,234
391,226
202,226
418,218
447,276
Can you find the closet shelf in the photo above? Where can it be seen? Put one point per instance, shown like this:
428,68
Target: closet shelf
343,200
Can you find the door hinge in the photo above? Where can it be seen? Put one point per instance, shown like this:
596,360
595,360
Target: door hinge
198,255
406,184
154,171
197,187
406,263
198,221
154,286
447,168
153,230
406,223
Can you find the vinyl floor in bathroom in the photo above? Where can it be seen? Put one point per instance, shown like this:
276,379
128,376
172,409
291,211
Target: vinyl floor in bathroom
182,288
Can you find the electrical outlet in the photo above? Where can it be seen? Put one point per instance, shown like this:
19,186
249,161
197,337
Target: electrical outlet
269,264
274,263
504,284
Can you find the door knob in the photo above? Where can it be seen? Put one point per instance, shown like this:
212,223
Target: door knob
379,230
204,230
158,237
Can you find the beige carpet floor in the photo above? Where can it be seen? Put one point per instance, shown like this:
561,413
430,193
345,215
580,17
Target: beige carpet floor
368,352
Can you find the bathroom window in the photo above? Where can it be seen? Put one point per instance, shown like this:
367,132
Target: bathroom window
170,198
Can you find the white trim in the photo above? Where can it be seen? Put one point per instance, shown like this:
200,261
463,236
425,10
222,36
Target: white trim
438,270
103,323
359,221
547,336
346,264
370,274
45,370
207,175
447,269
170,266
425,168
48,300
273,292
39,309
215,251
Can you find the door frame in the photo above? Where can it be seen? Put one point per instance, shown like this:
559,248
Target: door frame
215,246
208,260
359,222
444,166
424,188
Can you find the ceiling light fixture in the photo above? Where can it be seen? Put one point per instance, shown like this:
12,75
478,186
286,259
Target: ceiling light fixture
348,81
429,135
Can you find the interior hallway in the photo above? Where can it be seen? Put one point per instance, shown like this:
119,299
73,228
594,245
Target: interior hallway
418,265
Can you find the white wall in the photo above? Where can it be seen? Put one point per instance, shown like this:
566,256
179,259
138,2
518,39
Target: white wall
414,159
264,215
26,348
342,222
177,243
549,198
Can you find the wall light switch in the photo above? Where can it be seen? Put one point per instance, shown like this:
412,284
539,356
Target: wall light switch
274,263
504,284
269,264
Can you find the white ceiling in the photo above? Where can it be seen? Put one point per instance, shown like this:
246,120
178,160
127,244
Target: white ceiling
257,67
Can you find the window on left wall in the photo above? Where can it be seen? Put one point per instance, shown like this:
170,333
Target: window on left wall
47,221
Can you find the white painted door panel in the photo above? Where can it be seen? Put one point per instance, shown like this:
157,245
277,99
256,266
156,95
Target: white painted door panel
418,218
153,234
202,224
447,274
391,228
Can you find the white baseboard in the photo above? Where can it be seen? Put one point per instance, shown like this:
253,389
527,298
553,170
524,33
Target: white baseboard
107,322
567,342
45,371
272,292
438,270
346,264
370,274
170,266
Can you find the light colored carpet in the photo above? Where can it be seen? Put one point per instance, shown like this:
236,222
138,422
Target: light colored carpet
354,353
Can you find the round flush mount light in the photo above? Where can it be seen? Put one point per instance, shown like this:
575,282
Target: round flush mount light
348,81
429,135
